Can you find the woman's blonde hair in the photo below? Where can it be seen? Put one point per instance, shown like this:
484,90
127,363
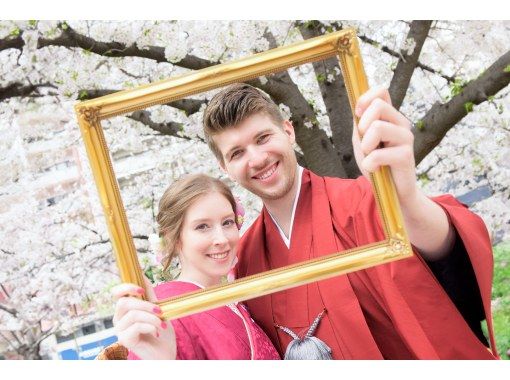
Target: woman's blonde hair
176,200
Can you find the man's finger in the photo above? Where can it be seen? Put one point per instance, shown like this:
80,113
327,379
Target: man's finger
380,110
387,133
397,156
368,97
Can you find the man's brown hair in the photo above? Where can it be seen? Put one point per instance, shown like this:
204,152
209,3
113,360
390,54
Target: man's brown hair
231,106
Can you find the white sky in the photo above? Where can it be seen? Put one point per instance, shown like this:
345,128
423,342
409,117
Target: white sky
261,9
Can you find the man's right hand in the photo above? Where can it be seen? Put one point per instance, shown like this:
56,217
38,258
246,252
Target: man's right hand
138,325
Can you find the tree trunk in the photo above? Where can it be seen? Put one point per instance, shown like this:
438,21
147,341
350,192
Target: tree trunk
30,352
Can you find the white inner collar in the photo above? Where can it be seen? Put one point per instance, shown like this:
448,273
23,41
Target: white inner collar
282,234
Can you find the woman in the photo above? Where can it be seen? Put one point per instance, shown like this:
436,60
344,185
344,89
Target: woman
197,221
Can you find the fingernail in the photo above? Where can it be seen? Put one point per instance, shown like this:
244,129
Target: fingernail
163,325
140,291
156,310
157,334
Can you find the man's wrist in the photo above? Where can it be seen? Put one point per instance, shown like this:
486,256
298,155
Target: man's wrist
412,205
429,227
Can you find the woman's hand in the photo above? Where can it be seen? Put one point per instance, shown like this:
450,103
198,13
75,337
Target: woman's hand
138,325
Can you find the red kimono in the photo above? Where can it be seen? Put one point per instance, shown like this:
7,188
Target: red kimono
392,311
217,333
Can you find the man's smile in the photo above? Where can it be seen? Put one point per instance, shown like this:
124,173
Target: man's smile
267,172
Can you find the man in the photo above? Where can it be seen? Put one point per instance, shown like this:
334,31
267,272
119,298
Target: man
425,307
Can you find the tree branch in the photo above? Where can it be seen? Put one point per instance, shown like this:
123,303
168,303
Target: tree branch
5,290
102,241
442,117
9,310
169,129
9,342
70,38
392,52
44,335
89,229
190,106
402,74
338,26
12,43
18,89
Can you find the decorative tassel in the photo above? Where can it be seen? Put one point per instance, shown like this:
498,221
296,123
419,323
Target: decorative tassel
309,347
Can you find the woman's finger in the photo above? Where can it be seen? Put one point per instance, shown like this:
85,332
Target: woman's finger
131,336
127,289
151,295
125,304
137,316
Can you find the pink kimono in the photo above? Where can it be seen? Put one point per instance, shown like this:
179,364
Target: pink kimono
222,333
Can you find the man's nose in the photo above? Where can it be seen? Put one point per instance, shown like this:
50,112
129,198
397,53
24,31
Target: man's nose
257,158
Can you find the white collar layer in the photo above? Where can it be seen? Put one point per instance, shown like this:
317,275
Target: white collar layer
286,239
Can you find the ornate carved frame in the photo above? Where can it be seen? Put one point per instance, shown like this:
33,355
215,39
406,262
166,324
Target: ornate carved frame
90,113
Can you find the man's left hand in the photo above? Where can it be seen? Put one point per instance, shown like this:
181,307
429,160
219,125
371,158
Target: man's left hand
386,139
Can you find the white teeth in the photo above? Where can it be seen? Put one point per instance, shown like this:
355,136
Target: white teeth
218,255
268,173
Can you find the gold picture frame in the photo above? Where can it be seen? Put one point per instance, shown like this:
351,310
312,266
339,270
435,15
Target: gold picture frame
90,113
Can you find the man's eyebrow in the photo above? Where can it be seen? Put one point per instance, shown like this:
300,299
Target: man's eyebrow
235,147
262,133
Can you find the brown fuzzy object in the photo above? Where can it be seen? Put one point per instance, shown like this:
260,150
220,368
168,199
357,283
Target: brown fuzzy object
114,351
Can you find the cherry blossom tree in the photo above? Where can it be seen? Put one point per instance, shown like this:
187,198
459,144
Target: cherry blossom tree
449,78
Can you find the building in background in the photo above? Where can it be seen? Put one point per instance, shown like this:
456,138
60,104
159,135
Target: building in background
84,343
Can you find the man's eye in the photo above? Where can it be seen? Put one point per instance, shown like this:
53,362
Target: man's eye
262,139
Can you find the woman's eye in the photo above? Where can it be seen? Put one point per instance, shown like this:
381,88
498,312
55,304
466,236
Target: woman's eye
201,227
229,222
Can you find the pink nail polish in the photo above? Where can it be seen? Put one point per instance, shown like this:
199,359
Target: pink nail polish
164,325
156,310
140,291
